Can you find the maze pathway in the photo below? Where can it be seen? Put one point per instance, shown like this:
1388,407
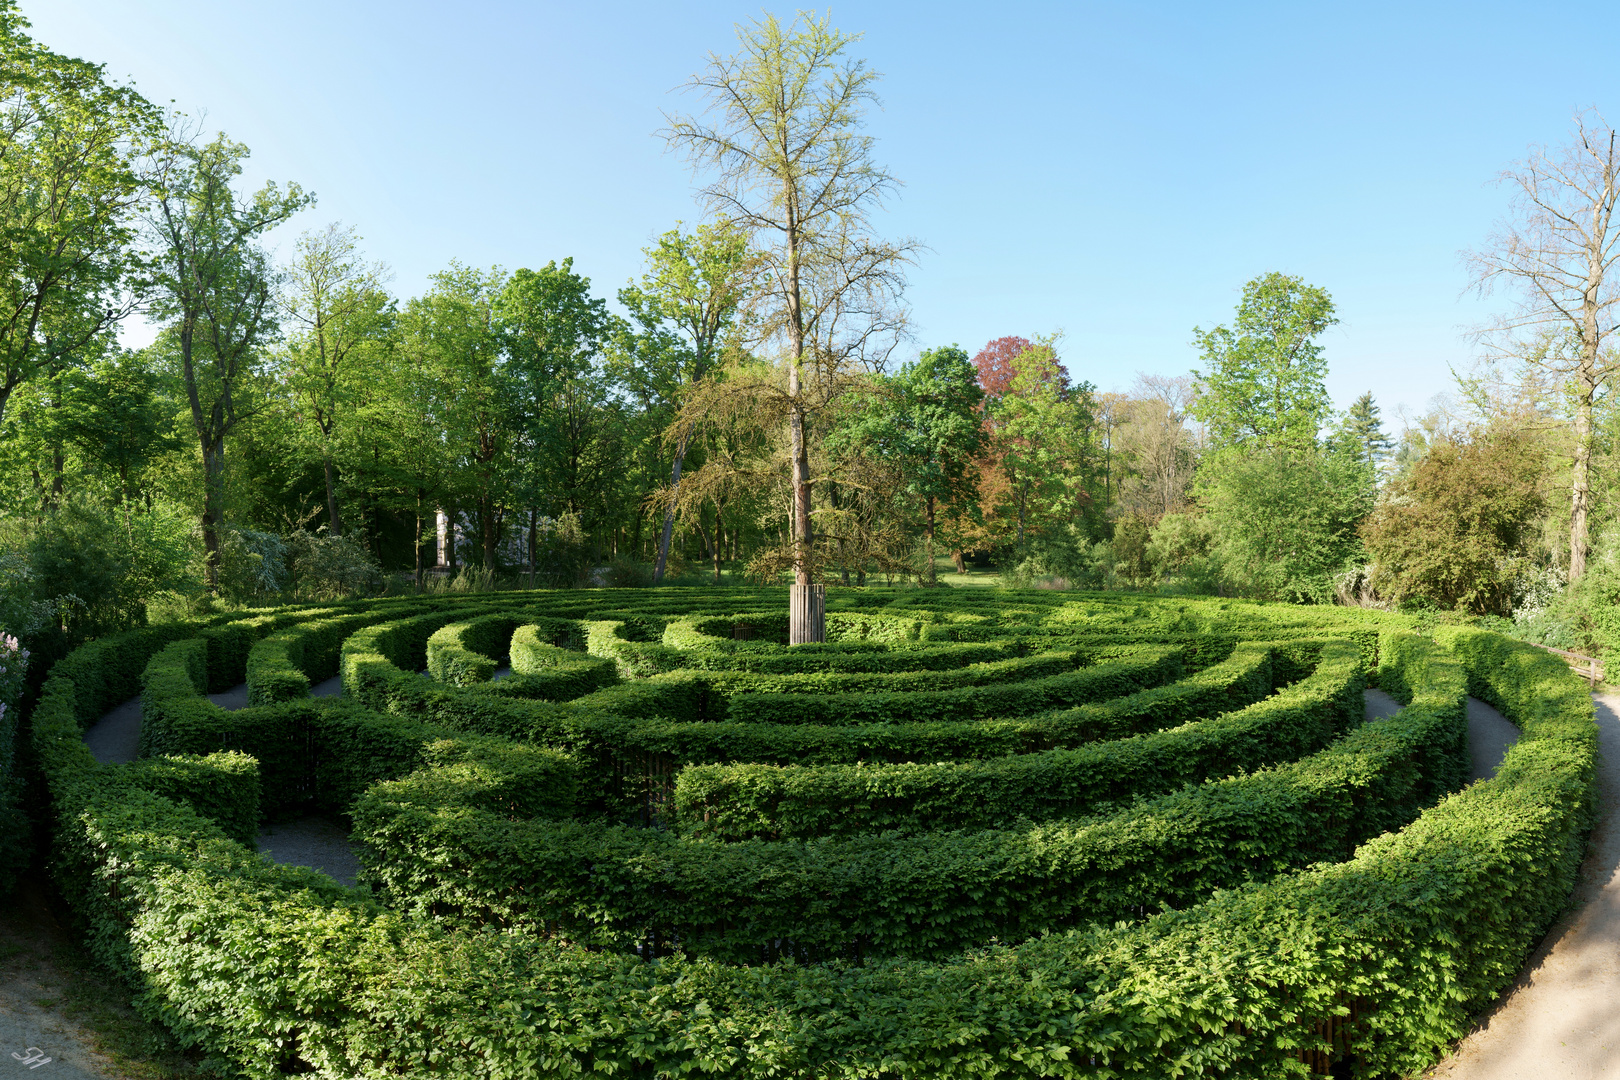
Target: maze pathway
116,738
1559,1019
314,842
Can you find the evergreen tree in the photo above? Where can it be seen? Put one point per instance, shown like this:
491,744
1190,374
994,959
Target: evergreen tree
1361,433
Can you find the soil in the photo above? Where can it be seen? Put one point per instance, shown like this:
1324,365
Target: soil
54,999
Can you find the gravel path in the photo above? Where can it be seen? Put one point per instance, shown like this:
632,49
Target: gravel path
1379,705
312,841
1489,732
232,699
116,737
1560,1019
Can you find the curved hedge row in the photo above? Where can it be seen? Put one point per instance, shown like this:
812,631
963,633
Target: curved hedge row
1159,867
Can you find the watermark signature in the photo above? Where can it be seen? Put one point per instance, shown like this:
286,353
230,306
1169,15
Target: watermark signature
34,1059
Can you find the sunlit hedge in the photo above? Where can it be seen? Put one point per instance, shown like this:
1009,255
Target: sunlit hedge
977,835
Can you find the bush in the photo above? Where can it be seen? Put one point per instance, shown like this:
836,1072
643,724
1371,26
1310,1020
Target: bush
324,567
252,565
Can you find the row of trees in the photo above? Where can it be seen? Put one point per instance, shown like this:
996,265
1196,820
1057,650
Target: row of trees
298,429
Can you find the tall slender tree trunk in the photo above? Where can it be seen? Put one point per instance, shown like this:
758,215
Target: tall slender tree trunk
213,515
930,553
812,626
420,570
719,536
1580,501
534,543
669,511
1586,386
334,525
450,541
486,525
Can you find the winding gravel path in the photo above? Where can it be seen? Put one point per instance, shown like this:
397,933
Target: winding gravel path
1562,1018
316,842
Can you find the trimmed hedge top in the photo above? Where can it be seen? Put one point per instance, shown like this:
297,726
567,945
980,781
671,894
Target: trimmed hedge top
974,834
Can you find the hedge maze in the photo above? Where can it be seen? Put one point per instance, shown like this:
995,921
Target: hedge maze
972,835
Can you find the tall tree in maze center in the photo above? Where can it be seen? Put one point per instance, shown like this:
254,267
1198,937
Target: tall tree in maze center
794,172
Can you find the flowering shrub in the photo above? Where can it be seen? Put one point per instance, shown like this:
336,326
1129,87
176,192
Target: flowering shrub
13,667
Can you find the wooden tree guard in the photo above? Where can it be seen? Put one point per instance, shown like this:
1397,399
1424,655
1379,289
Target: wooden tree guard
807,614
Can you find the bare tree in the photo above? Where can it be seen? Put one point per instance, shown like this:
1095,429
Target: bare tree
792,169
1558,255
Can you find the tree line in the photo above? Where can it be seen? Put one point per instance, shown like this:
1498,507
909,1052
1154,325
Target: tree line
753,405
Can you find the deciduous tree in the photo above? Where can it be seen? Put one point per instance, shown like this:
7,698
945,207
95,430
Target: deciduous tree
687,308
1557,256
1262,382
68,195
338,309
215,286
924,420
1454,528
794,171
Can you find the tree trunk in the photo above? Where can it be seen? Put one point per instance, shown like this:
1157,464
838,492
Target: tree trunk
486,524
450,541
333,524
420,581
213,515
807,614
802,536
959,560
1580,501
534,543
803,539
669,511
929,578
719,536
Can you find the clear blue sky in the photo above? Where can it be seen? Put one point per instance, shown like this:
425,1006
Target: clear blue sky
1114,170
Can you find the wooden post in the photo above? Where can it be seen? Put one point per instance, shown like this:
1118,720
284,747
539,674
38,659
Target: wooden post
807,614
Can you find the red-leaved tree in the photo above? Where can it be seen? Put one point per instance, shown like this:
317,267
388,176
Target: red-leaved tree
995,364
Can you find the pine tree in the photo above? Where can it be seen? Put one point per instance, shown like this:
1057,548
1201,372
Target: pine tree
1362,432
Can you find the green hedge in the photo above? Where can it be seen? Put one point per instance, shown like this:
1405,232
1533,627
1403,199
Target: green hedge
276,970
855,658
283,666
741,801
931,894
1152,666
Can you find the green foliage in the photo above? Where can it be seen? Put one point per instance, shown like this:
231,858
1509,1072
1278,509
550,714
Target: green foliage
97,570
1182,551
1214,924
926,421
737,801
1262,383
1284,522
1454,528
325,567
1360,433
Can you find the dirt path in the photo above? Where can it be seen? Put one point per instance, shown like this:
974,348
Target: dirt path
55,1000
1562,1018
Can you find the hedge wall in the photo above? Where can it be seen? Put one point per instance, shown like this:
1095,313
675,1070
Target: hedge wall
1247,946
